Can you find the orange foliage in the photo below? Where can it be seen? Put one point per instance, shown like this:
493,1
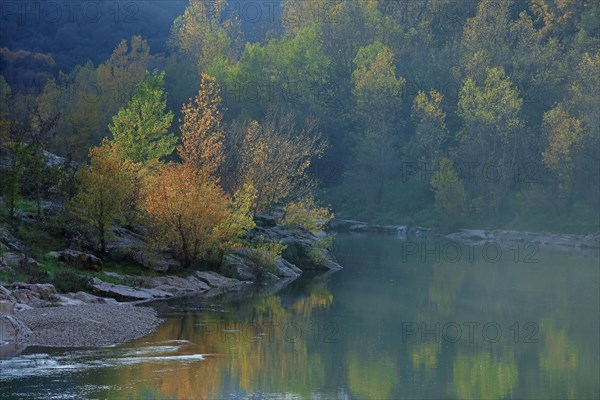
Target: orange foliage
186,209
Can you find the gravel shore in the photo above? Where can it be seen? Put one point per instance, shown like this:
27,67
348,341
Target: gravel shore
88,325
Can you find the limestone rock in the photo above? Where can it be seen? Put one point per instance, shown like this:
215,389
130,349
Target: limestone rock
126,293
215,280
12,330
78,259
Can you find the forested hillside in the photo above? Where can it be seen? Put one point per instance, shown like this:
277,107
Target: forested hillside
437,112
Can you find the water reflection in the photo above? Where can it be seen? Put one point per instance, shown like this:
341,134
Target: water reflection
379,329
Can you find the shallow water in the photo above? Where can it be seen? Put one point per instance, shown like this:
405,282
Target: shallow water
402,320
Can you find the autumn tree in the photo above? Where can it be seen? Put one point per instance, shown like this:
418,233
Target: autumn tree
490,137
120,74
275,159
202,35
564,134
187,211
202,132
141,130
431,133
103,188
377,91
239,221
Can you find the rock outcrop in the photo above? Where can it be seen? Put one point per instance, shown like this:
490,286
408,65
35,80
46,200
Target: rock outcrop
12,330
543,240
128,245
303,248
77,259
127,293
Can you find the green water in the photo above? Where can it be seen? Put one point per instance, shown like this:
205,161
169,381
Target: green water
401,320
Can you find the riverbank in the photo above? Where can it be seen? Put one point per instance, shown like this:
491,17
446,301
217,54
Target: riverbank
36,315
72,293
549,241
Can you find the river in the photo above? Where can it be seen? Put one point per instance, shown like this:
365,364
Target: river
401,320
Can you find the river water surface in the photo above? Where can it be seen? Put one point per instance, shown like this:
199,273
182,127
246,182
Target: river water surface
401,320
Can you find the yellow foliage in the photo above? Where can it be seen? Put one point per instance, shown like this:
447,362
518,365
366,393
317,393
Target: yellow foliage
306,214
563,132
202,132
104,189
240,219
186,210
276,157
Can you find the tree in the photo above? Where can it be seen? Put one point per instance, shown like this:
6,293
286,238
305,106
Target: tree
564,134
141,129
120,74
239,221
103,188
186,210
37,171
491,114
5,98
74,96
377,92
203,36
450,197
202,131
431,132
275,159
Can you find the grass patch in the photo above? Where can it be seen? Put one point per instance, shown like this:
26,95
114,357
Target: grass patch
26,205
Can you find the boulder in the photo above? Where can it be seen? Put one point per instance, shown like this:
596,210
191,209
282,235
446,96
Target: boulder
11,260
127,293
79,242
237,267
87,298
286,269
9,242
12,330
77,259
176,285
215,280
34,295
301,247
159,261
345,224
132,246
5,294
7,306
265,221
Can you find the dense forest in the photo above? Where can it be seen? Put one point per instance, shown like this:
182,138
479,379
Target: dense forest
438,113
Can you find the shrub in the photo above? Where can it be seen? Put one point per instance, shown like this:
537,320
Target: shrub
318,250
66,282
307,214
450,197
265,255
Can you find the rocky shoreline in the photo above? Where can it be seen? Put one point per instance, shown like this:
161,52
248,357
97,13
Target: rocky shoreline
36,314
549,241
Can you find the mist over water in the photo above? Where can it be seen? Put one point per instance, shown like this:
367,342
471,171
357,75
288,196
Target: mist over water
380,328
